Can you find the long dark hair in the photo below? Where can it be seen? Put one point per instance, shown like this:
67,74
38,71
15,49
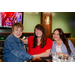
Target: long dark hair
63,38
43,38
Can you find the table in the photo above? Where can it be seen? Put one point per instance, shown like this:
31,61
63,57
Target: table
42,59
46,59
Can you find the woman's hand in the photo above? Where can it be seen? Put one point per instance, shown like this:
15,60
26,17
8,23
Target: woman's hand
25,41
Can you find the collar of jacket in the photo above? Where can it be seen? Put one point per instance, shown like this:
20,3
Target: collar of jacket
56,44
18,40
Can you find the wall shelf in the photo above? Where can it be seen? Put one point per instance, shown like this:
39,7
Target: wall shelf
1,47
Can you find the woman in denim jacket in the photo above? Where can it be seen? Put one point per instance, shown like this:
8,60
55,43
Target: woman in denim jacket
61,45
14,48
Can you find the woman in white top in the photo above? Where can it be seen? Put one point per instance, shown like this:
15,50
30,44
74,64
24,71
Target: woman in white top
61,45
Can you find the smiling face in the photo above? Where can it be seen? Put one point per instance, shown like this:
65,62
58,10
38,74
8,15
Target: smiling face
38,32
17,32
56,35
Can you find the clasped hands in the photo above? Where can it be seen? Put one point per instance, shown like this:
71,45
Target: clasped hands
36,59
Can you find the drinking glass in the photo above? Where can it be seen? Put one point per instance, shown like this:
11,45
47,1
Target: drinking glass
71,58
74,53
54,57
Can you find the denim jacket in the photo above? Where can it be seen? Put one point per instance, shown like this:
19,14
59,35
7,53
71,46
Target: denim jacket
63,47
14,51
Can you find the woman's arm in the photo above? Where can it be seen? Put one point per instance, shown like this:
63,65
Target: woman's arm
71,47
44,54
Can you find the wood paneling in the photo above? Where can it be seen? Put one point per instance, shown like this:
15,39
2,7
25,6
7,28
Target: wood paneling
45,17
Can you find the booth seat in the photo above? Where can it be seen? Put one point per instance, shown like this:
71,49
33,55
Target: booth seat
72,40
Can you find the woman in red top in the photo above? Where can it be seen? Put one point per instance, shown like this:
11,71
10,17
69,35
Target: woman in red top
39,45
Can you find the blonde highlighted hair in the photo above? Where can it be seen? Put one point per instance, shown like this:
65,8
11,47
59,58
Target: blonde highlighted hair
17,24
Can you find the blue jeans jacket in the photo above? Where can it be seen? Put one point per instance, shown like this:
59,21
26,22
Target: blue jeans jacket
14,51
